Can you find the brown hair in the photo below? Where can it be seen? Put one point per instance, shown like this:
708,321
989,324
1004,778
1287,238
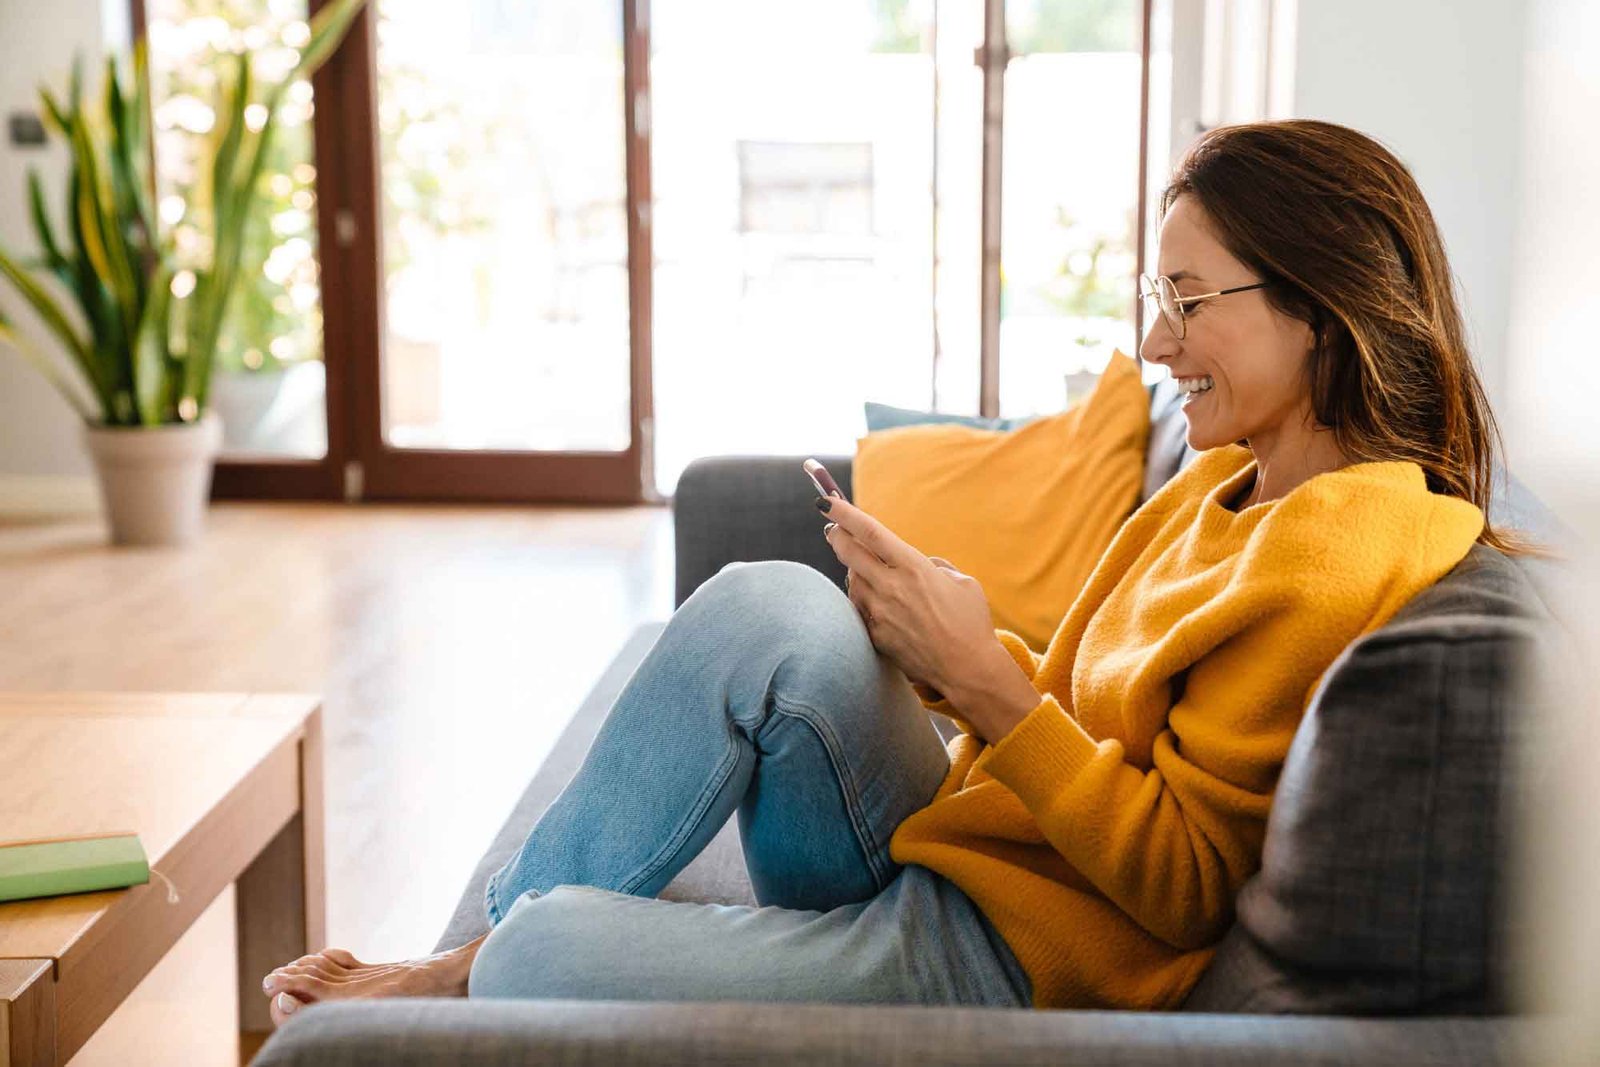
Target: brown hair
1338,229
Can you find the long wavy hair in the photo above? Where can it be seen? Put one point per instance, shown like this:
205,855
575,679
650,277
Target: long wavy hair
1339,230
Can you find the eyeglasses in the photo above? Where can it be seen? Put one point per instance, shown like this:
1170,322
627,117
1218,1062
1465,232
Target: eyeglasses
1163,295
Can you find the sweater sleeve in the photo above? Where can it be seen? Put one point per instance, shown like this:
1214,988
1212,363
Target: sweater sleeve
1170,846
935,701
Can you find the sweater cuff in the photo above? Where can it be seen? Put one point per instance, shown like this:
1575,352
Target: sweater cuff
1040,755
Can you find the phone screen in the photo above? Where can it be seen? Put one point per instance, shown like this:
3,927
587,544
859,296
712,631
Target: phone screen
824,482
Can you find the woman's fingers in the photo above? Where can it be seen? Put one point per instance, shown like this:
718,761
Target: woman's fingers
856,590
890,550
851,552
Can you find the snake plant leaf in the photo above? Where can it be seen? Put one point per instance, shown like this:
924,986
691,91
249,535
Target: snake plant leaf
9,336
45,306
107,330
328,27
210,301
94,299
103,239
147,353
53,257
54,114
150,348
196,307
132,211
232,127
75,85
254,150
140,124
140,116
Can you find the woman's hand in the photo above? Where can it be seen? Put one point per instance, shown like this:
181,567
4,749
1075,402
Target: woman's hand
930,619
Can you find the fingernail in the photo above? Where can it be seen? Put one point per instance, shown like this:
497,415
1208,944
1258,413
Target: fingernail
828,528
266,984
287,1004
823,503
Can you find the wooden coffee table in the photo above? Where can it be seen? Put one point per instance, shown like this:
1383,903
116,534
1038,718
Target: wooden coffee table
221,788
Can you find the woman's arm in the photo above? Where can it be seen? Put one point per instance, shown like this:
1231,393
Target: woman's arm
1172,834
1008,686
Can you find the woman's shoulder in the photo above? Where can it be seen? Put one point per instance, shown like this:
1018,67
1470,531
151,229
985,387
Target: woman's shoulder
1379,512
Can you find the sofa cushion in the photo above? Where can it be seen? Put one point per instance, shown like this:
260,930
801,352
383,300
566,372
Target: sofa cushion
888,417
1027,513
1380,889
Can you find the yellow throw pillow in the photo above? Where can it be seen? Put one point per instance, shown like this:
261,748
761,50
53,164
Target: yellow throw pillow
1027,512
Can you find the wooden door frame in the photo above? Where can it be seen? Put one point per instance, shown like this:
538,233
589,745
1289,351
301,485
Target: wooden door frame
359,464
385,472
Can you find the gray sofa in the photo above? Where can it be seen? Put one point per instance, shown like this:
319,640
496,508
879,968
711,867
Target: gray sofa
1374,933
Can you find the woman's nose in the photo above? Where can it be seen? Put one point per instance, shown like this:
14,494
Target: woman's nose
1159,344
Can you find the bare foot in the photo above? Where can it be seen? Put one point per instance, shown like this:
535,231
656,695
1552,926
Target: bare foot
334,974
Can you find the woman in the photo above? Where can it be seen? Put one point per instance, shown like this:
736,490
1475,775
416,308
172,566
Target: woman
1081,843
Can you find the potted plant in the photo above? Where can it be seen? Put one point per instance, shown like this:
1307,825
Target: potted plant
148,319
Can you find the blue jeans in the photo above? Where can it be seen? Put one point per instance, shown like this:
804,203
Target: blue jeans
763,696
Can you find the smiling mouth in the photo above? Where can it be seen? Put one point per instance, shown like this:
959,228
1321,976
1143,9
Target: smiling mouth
1190,388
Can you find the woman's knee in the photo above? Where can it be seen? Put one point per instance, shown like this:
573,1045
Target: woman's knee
536,949
782,599
799,633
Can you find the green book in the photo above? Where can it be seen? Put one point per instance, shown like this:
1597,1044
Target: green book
71,865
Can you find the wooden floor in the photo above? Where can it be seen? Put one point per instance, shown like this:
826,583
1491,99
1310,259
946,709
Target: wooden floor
451,644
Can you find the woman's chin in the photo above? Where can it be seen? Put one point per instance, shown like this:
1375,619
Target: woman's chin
1198,437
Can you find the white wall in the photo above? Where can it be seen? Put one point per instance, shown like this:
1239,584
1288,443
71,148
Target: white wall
41,454
1440,83
1552,386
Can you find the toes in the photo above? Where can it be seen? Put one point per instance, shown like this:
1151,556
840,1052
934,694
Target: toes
283,1007
305,988
333,965
342,958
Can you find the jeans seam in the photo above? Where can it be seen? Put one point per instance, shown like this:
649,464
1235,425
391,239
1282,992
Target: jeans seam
696,815
852,799
493,904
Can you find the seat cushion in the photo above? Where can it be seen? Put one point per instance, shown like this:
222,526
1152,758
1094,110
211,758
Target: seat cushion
1381,888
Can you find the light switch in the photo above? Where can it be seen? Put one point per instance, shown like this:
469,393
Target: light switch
25,129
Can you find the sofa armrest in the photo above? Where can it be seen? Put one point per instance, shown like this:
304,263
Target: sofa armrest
480,1033
730,508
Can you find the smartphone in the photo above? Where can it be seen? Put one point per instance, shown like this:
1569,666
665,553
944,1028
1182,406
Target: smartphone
824,482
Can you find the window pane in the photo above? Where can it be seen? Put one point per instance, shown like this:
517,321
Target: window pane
267,384
1070,187
792,159
505,228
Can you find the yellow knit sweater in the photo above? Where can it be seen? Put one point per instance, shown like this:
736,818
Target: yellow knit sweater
1107,834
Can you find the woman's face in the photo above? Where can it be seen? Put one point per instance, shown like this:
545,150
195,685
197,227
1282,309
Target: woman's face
1253,357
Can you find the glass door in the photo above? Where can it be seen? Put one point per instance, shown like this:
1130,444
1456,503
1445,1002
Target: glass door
506,354
271,384
795,200
1070,189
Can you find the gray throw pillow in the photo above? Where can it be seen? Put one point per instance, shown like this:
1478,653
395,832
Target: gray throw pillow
1382,883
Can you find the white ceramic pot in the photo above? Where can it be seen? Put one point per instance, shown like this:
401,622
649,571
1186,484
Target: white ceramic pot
156,480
